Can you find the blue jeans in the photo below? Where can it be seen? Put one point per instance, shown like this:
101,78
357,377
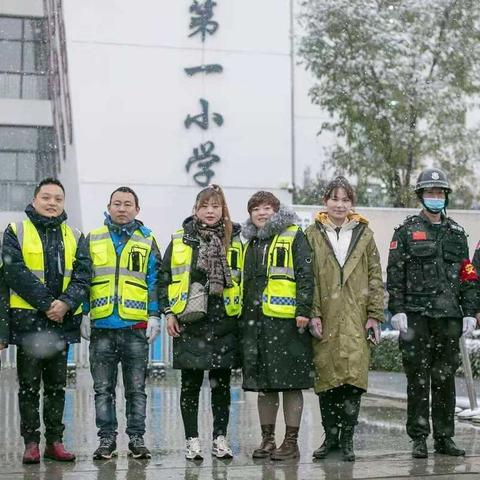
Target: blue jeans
108,348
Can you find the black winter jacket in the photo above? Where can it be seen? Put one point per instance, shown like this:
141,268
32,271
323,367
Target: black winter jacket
276,355
40,295
209,343
424,269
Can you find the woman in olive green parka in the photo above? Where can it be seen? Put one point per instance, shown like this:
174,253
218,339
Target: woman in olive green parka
347,305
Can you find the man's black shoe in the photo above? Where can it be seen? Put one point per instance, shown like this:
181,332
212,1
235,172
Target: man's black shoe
137,447
446,446
419,449
106,450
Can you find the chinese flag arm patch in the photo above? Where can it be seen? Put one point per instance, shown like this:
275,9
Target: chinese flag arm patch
468,273
419,235
393,245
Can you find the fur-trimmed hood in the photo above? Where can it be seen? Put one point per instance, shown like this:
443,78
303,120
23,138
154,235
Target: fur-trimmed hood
322,217
276,224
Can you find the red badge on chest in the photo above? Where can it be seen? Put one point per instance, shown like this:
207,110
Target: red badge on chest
419,235
393,245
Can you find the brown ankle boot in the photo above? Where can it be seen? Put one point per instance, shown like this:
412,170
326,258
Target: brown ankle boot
268,442
289,448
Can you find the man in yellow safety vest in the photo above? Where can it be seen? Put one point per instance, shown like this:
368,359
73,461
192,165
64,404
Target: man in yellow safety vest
124,318
48,271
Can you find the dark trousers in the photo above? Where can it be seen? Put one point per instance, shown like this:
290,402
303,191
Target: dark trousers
108,348
31,372
430,354
340,407
220,387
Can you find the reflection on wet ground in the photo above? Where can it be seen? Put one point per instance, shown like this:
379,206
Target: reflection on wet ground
382,447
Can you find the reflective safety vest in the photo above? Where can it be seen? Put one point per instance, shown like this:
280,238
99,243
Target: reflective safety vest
279,299
120,280
33,256
181,265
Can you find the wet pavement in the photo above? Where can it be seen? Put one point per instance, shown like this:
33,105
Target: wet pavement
381,445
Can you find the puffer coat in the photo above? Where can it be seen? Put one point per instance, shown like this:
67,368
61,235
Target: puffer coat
276,355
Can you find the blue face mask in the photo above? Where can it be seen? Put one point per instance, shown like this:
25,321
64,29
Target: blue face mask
435,205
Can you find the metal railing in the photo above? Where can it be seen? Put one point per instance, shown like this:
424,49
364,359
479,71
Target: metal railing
160,353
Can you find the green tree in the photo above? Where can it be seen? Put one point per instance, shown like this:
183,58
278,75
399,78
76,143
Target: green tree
312,191
397,77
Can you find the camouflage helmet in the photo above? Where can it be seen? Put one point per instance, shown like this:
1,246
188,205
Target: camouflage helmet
430,178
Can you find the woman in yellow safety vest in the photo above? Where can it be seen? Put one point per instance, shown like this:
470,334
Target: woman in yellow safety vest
277,298
204,262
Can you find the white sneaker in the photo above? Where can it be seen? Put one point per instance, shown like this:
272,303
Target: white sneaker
193,450
220,448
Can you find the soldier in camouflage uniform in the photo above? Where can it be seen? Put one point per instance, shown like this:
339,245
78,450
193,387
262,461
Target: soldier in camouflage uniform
432,287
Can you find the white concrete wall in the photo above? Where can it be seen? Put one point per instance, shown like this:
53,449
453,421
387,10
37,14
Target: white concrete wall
130,97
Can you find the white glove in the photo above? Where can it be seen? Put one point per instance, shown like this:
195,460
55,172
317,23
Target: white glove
153,328
399,322
85,327
469,324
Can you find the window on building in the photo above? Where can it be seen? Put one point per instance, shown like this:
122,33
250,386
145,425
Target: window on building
23,58
27,154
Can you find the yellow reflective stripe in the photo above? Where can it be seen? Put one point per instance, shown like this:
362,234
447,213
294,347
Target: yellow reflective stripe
38,273
94,237
141,239
76,234
102,271
282,271
129,273
180,270
289,233
18,229
175,236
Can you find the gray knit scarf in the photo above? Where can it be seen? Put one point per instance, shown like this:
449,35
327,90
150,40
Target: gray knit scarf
211,256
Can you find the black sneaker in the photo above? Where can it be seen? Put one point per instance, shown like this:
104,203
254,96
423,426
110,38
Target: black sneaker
137,447
106,450
419,449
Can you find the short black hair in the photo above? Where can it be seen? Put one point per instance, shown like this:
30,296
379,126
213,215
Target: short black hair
48,181
335,184
125,190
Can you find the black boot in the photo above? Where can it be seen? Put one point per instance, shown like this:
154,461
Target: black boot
351,410
289,448
330,443
346,442
268,442
446,446
419,449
